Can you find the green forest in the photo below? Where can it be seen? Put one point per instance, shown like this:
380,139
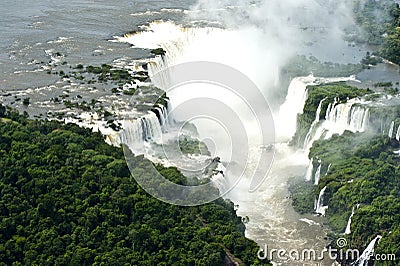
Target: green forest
67,198
380,24
364,175
360,171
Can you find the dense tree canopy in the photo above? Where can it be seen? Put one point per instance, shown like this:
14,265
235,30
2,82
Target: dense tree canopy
380,21
364,175
67,198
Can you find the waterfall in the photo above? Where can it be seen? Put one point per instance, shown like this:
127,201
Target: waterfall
348,230
398,134
172,39
181,44
314,123
155,67
390,134
218,178
161,118
317,174
309,170
319,208
368,252
327,170
144,129
162,114
329,109
187,44
346,116
293,105
338,118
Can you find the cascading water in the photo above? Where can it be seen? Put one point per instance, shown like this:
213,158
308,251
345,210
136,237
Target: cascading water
330,106
219,177
398,134
174,40
366,255
181,44
327,170
294,103
319,206
317,174
347,116
391,129
163,117
348,230
309,170
340,117
272,218
314,123
144,129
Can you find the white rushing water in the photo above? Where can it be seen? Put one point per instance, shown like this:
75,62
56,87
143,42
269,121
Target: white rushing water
366,255
317,174
348,227
319,205
351,116
286,118
273,220
219,177
188,44
348,116
327,170
144,129
398,134
391,129
310,169
163,117
314,123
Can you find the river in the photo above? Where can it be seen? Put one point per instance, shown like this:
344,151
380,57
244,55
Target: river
33,31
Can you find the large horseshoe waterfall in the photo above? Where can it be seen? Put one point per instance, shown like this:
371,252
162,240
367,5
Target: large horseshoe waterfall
200,132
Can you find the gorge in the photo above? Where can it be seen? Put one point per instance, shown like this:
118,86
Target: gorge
332,157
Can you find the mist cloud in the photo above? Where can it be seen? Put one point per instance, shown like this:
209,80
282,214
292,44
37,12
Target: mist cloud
264,35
